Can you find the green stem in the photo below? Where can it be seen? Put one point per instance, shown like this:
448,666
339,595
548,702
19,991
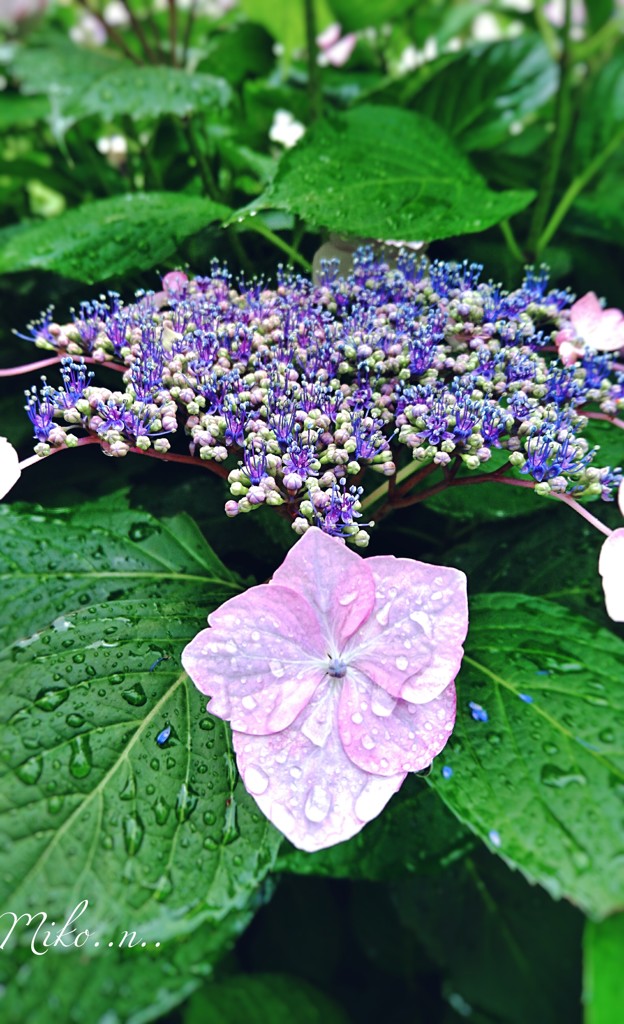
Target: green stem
562,122
315,97
511,242
545,29
188,29
203,165
140,34
173,30
111,32
409,471
574,189
611,30
260,228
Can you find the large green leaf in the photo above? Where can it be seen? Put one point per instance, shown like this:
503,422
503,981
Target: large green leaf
542,781
601,119
481,94
504,946
366,13
108,237
603,979
80,86
385,173
415,833
133,985
156,837
263,999
537,560
20,111
146,93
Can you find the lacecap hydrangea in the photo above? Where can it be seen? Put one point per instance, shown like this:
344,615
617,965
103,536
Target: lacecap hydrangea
297,393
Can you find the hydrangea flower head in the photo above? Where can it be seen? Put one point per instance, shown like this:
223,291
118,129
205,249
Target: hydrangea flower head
337,678
9,467
611,568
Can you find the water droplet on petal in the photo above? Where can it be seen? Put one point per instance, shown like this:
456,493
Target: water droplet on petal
318,804
256,781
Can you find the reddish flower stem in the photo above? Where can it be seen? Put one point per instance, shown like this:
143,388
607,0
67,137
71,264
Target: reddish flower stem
189,460
484,478
603,416
41,364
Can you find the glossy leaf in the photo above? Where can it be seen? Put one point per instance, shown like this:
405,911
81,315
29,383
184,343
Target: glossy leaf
73,988
478,97
542,781
601,118
603,981
385,173
115,785
81,84
107,237
263,999
503,946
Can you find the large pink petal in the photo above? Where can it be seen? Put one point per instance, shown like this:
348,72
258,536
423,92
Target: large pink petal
302,779
412,643
611,568
261,659
333,579
384,735
609,335
586,314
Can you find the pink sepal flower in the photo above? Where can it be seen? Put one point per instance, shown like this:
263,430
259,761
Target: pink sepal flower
337,678
611,568
10,471
334,48
600,329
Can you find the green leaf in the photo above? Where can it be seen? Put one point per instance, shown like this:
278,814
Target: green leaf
599,214
542,782
486,89
131,985
20,111
384,173
263,999
537,560
98,604
415,833
504,946
288,28
108,237
601,115
146,93
81,85
603,980
485,502
367,13
49,66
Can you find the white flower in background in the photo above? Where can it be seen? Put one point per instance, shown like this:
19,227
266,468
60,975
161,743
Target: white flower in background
114,148
88,31
286,129
10,471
